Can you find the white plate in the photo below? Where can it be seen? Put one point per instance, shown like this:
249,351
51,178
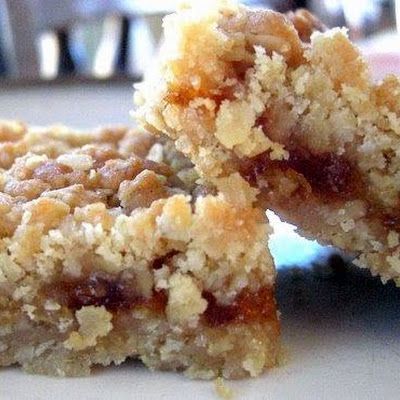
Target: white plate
342,334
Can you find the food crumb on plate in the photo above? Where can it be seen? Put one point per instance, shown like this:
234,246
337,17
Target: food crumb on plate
223,391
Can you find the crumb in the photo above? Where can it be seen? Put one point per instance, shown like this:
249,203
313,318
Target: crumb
223,391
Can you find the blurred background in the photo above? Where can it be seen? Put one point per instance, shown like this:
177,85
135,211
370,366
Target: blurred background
74,62
115,39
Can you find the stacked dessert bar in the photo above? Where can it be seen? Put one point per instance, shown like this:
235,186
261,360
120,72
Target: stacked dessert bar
291,109
114,245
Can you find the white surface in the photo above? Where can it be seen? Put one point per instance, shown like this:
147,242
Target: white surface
342,340
342,334
78,106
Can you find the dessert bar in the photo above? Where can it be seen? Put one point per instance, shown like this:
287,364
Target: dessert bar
291,108
110,250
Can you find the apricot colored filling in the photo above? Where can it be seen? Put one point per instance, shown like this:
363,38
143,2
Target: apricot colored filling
114,293
326,176
247,307
159,262
182,96
118,295
329,176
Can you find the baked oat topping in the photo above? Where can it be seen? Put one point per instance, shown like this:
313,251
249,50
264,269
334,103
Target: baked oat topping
109,249
292,107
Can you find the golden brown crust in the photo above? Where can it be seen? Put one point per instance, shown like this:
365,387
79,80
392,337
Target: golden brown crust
108,253
301,122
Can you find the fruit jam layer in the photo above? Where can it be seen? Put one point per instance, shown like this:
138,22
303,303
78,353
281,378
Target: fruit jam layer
326,177
119,295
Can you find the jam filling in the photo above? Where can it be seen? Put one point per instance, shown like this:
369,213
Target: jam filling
389,221
327,175
118,295
114,293
159,262
183,96
247,307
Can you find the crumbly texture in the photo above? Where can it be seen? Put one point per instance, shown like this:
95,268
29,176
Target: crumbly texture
291,109
109,249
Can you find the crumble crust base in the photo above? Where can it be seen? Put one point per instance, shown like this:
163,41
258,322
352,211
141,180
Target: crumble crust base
110,250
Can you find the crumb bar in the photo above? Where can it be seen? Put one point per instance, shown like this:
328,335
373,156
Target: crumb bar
110,250
291,108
